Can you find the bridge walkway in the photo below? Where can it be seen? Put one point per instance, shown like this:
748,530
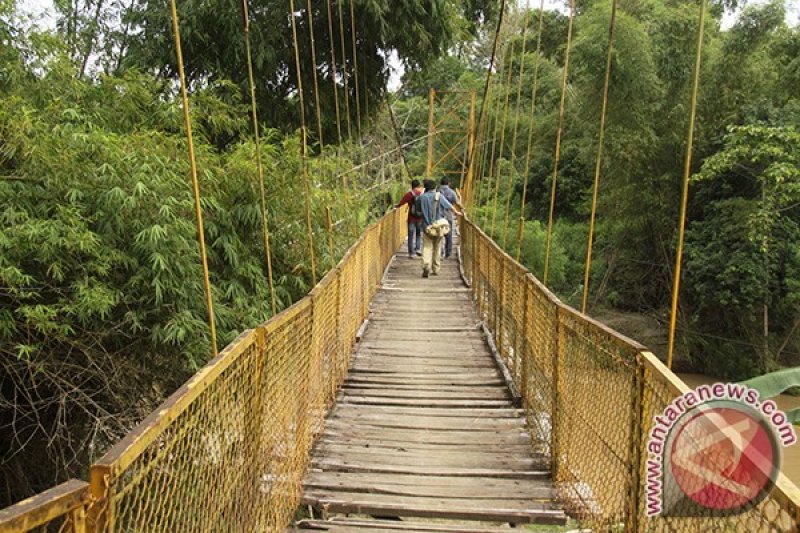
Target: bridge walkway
425,426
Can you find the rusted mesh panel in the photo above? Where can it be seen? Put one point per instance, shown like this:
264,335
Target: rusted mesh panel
228,450
596,395
777,513
537,354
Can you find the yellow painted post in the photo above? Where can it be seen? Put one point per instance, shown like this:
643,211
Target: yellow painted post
77,518
555,426
100,512
431,103
637,443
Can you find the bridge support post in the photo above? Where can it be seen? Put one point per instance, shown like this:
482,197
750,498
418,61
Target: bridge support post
632,522
555,426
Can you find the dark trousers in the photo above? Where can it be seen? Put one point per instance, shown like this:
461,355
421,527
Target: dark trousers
414,237
448,242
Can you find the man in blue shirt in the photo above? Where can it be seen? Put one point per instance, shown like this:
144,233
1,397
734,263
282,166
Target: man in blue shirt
432,244
452,197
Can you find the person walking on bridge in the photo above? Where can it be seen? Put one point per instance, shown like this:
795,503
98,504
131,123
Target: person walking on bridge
413,219
435,227
452,197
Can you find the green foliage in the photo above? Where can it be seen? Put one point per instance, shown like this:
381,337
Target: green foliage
775,383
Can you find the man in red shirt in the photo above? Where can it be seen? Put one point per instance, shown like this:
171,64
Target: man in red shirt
414,222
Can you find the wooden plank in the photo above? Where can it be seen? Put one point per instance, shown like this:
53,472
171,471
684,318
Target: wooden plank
460,493
428,422
453,394
408,480
495,438
442,456
510,511
460,380
458,412
474,460
519,447
350,524
374,400
454,471
357,386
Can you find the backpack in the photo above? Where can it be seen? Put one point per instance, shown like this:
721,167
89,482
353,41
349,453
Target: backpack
415,206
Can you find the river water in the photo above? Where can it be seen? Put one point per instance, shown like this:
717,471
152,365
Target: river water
791,455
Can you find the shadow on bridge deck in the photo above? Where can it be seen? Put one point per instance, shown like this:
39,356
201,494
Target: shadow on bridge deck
425,427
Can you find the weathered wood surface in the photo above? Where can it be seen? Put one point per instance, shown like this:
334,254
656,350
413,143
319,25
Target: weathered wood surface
425,426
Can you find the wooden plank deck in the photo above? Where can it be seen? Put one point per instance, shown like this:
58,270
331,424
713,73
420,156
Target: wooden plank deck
425,427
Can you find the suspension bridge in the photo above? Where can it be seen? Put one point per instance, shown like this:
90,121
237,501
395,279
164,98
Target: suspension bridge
381,402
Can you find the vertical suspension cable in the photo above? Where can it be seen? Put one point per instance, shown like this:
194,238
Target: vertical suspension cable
334,73
397,137
534,89
195,185
355,67
259,164
557,156
687,168
344,71
304,147
599,158
317,109
490,162
515,129
502,136
482,116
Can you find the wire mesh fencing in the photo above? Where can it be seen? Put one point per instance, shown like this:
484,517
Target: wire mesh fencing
590,397
228,450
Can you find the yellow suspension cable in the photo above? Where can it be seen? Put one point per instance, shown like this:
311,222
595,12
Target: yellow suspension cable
317,109
355,67
534,89
334,72
515,130
195,185
687,168
493,145
502,136
344,71
599,158
304,147
483,117
259,164
557,156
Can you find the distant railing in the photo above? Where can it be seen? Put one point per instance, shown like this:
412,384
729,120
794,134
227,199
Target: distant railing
590,395
227,451
62,508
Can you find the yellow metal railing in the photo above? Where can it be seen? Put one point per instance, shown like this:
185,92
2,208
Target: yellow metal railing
62,508
228,450
590,395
